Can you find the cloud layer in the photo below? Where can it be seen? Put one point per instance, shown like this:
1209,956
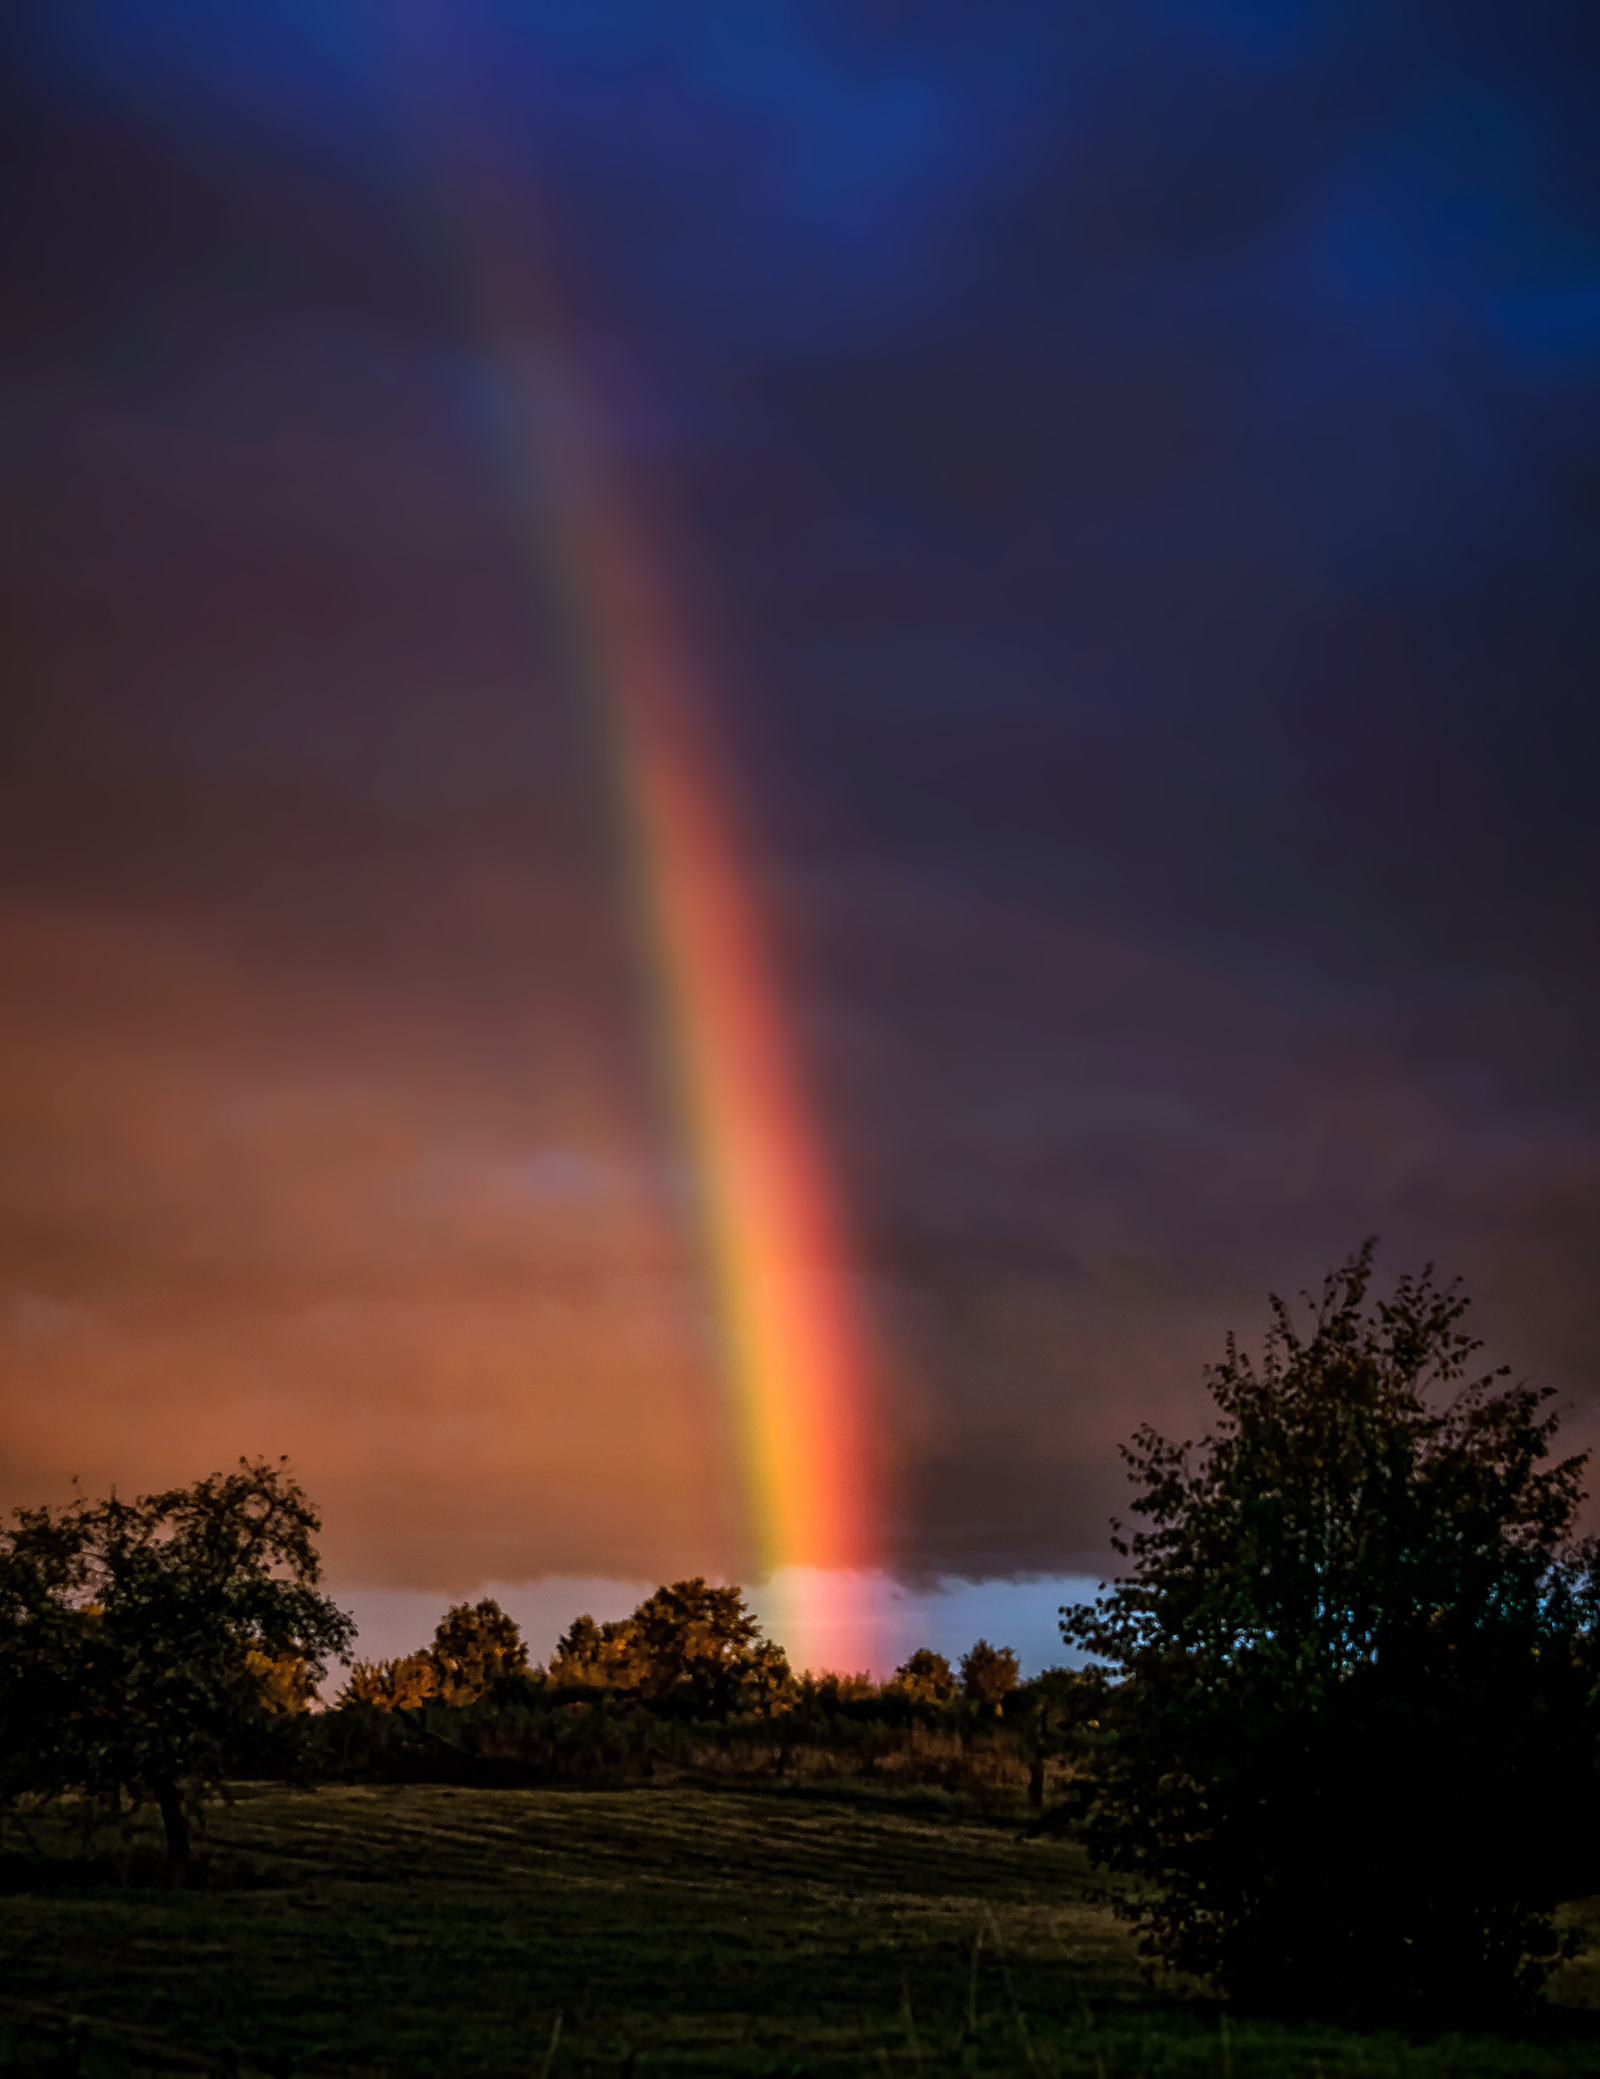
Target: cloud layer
1136,477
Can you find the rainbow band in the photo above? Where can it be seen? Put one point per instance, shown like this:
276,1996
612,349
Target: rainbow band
795,1368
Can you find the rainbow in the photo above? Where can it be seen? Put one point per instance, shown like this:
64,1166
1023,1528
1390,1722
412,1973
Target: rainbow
791,1348
795,1370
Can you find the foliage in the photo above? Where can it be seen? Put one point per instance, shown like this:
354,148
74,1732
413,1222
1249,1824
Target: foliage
926,1676
475,1647
988,1673
1351,1751
527,1733
534,1730
601,1656
138,1639
688,1644
392,1685
284,1683
1057,1717
686,1682
690,1652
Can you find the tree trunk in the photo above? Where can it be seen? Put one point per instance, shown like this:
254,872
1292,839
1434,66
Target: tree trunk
176,1822
1036,1783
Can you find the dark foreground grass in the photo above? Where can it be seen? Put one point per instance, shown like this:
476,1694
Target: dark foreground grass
684,1930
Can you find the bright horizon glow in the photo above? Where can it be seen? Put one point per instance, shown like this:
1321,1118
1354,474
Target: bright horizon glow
949,1616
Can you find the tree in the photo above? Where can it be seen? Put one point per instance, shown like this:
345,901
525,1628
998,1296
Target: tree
1351,1742
926,1677
689,1632
601,1656
988,1673
139,1639
285,1686
1055,1715
688,1642
475,1646
392,1685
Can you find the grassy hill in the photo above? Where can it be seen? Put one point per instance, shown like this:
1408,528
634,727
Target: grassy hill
423,1929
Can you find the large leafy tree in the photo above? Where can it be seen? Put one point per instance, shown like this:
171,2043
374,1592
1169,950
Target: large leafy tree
139,1639
1350,1750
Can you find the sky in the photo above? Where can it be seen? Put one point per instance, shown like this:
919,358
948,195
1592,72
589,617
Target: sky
1131,478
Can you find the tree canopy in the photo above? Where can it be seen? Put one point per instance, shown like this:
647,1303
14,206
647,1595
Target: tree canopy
1350,1744
689,1642
926,1677
475,1645
988,1673
138,1638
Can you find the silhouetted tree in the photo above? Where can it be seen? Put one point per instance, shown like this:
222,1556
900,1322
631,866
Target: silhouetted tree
926,1676
988,1673
138,1639
1055,1716
1353,1756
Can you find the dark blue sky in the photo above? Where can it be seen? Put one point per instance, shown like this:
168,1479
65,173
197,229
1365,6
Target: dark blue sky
1140,469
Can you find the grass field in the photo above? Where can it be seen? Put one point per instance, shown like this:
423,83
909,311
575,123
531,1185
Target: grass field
429,1930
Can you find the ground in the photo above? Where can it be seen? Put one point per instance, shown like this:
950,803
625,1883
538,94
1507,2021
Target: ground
421,1929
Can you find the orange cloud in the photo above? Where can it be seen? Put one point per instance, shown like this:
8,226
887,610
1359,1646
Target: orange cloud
255,1212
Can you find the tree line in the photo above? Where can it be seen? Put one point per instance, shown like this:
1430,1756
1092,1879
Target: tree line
690,1645
1336,1732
